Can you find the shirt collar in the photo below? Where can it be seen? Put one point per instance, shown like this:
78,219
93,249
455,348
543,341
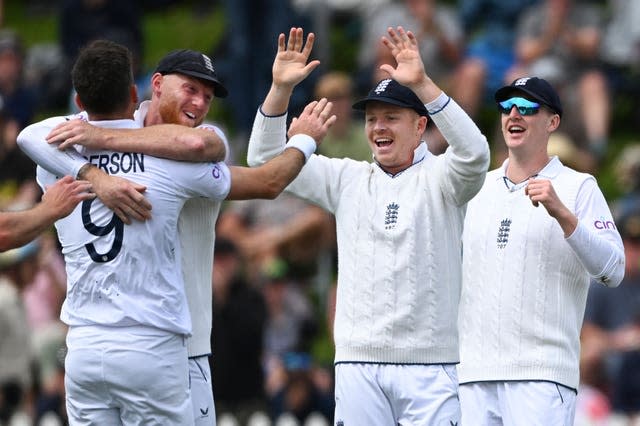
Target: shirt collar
419,154
551,170
141,113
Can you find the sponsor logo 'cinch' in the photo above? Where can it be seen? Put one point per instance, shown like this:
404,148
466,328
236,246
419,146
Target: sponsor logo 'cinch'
604,224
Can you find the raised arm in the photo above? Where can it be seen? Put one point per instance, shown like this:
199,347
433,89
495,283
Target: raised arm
18,228
163,140
290,67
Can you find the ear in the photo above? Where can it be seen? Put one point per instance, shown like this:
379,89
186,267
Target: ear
156,82
78,102
422,124
554,123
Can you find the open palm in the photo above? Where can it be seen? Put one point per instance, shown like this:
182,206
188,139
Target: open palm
404,48
290,66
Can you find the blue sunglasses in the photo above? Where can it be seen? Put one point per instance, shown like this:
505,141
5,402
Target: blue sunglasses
524,106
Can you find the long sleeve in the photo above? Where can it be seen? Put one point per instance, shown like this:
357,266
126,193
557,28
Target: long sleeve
596,241
32,141
268,138
467,158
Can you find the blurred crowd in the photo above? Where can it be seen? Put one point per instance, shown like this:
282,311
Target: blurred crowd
275,261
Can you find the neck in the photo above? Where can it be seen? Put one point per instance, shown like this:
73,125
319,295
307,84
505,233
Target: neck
520,168
153,115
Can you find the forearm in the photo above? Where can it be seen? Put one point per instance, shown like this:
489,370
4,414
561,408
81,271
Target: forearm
266,181
32,142
602,258
18,228
277,100
167,141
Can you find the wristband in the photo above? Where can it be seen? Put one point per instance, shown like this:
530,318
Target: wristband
304,143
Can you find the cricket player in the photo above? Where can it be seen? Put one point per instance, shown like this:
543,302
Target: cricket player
116,278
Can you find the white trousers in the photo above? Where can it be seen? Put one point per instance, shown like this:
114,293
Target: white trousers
126,376
520,403
391,395
204,411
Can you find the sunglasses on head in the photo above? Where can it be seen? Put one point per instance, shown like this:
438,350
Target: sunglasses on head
524,106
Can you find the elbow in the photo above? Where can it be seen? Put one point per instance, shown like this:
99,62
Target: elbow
614,277
204,146
272,191
198,148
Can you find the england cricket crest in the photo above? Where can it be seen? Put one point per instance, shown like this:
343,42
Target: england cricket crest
503,233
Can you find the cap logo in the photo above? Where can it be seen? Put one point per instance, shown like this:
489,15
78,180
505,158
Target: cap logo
207,62
382,86
521,81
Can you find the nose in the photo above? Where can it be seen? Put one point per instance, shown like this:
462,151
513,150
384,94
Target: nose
379,126
198,100
513,112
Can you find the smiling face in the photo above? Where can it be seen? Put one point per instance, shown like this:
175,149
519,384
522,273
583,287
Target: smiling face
528,133
393,133
181,99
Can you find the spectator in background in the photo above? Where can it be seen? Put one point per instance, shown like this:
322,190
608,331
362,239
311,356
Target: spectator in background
436,26
490,29
244,59
239,318
17,268
83,21
301,390
610,336
620,51
559,40
294,384
43,298
610,356
269,233
18,189
345,139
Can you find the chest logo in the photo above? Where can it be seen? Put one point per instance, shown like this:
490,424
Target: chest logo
391,216
503,233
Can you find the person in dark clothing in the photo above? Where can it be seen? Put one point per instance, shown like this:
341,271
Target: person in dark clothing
239,315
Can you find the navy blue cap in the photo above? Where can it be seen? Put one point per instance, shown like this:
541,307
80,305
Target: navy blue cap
391,92
194,64
537,88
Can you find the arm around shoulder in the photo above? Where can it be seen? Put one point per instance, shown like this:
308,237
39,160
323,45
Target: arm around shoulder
171,141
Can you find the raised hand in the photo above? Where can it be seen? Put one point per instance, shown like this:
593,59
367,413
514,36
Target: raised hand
315,120
404,48
290,65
